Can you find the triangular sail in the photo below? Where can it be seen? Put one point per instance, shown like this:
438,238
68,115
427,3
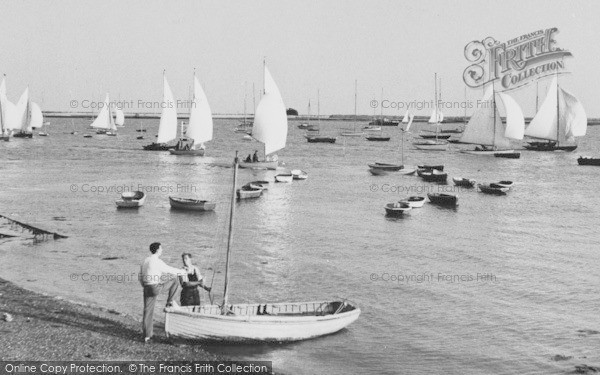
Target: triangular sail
545,123
515,122
22,112
11,120
3,86
36,118
167,129
200,127
104,119
410,121
119,117
440,116
270,120
405,118
572,115
485,126
432,118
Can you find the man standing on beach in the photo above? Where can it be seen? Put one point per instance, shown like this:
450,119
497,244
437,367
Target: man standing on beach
153,277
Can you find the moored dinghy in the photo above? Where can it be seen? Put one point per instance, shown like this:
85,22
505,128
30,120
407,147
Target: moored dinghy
586,160
131,199
284,177
442,199
386,166
279,322
249,191
397,209
189,204
504,183
464,182
433,175
299,175
414,202
492,189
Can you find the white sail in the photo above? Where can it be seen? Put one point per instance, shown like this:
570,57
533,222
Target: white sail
410,121
104,119
440,116
406,117
3,86
22,112
432,118
572,115
485,126
36,118
167,129
119,117
11,116
545,123
515,122
200,127
270,120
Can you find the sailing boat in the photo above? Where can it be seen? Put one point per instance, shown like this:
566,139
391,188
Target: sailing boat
119,117
485,128
406,117
10,122
270,124
200,125
318,138
268,322
383,168
306,125
246,125
104,123
167,128
353,133
560,119
23,116
4,131
436,118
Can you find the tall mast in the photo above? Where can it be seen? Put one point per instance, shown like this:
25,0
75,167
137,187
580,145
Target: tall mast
245,91
437,125
319,110
230,235
381,101
465,104
355,97
557,111
494,112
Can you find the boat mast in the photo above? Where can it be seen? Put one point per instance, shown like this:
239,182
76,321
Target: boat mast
264,93
319,110
494,113
355,96
465,104
381,106
245,94
557,112
230,235
435,94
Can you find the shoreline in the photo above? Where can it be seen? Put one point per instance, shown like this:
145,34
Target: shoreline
51,328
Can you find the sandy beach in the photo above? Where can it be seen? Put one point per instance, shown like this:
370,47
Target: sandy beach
49,328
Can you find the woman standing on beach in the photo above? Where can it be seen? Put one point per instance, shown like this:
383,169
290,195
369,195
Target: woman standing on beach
190,295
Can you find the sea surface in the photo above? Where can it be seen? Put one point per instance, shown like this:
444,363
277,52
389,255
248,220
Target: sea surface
499,285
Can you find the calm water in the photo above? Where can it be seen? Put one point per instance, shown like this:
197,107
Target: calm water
535,250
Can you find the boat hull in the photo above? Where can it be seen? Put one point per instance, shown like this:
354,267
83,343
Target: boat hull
199,152
433,146
378,139
464,182
414,202
443,199
588,161
259,165
397,209
321,139
549,146
386,166
487,189
249,192
284,178
301,322
191,204
157,147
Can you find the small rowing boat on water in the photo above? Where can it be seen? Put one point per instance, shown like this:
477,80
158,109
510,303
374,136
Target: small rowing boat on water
378,172
284,177
434,136
439,167
586,160
442,199
493,190
299,175
249,191
378,138
397,209
320,139
191,204
407,171
433,175
464,182
430,145
508,155
131,199
386,166
414,202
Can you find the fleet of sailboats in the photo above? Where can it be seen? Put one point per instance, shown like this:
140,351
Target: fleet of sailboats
270,124
558,121
436,118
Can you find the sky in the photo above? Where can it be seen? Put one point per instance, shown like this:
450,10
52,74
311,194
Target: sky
79,50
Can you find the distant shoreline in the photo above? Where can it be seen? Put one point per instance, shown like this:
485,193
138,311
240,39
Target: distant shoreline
449,119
